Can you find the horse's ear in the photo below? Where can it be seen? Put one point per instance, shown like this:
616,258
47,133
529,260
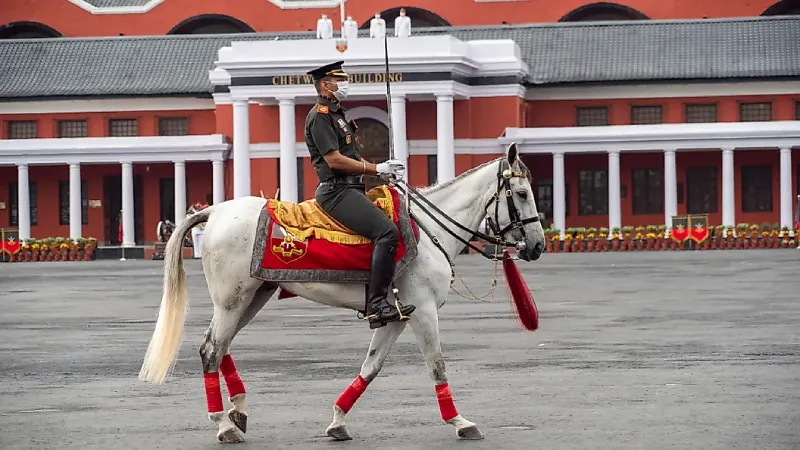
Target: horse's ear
512,153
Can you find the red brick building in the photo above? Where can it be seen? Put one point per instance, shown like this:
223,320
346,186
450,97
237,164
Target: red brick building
627,113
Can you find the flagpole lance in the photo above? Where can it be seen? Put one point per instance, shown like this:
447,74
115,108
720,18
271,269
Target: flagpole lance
388,93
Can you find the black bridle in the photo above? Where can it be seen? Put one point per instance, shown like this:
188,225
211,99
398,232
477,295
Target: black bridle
504,177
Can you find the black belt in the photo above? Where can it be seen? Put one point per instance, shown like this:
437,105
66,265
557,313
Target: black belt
344,180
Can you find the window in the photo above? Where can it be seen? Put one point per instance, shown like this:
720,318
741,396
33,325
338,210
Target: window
123,127
698,113
592,192
648,191
72,129
173,126
646,115
756,188
22,129
593,116
755,112
433,167
701,187
13,210
63,202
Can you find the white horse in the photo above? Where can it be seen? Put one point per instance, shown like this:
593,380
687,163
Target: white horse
500,188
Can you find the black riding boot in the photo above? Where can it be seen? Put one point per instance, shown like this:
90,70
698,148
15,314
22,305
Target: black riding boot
379,310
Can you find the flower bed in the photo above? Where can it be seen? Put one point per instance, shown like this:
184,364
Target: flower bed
656,238
56,249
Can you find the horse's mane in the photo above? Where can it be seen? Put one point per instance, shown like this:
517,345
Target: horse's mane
437,186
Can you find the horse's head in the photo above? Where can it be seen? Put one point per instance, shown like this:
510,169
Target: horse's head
514,216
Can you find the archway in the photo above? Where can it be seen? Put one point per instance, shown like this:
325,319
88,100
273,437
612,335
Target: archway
27,30
420,18
602,11
374,138
211,24
783,8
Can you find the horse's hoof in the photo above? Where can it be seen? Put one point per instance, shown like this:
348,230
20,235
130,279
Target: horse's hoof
470,433
339,433
239,419
230,436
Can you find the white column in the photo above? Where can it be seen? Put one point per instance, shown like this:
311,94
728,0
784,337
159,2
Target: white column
23,202
445,139
288,160
614,200
75,216
786,189
399,131
180,191
559,194
218,180
728,195
128,236
670,187
241,149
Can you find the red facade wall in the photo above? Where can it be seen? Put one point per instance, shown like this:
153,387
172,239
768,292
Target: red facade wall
262,15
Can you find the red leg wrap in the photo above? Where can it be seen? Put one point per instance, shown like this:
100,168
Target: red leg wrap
213,393
352,393
446,405
232,381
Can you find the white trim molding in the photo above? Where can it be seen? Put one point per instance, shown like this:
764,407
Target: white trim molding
368,112
679,136
418,147
107,105
140,9
305,4
666,90
112,150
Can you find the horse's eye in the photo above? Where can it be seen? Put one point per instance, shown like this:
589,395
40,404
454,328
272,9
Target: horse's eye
522,194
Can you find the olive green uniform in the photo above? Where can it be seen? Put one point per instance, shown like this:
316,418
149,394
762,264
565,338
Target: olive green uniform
342,196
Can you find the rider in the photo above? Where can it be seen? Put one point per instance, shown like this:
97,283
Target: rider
341,193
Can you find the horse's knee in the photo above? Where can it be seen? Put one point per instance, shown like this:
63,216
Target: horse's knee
437,370
209,354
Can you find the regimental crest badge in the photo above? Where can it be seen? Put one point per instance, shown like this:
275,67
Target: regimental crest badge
288,249
341,45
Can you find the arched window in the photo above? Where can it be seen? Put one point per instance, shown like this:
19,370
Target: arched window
374,138
420,18
783,8
211,24
27,30
603,11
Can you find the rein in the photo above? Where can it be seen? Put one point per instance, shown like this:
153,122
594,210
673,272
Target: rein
503,183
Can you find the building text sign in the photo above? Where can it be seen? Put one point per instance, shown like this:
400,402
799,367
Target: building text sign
355,78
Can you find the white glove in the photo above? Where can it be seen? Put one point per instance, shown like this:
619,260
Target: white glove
391,167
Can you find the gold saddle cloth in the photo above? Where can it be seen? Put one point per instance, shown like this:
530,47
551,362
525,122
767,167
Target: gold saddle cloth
304,219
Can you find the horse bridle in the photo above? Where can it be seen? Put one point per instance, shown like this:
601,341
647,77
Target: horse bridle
504,177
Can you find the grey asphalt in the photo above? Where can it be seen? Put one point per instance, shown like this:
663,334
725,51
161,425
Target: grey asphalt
667,350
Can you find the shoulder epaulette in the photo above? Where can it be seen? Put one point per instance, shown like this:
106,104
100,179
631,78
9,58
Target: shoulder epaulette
322,109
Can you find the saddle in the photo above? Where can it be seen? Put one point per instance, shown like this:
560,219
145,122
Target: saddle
306,219
300,242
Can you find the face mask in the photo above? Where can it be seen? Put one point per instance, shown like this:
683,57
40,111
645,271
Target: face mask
341,90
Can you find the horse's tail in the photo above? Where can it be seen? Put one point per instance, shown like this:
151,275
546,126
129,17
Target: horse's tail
166,341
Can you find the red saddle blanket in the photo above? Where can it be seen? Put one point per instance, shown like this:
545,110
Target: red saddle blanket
299,242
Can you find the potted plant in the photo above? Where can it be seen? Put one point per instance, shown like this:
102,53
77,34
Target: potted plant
90,245
616,234
555,239
602,240
591,236
567,245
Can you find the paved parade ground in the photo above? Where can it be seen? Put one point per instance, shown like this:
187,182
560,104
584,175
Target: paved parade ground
666,350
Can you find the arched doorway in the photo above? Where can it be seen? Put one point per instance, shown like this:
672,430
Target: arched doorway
783,8
211,24
602,11
420,18
373,136
27,30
